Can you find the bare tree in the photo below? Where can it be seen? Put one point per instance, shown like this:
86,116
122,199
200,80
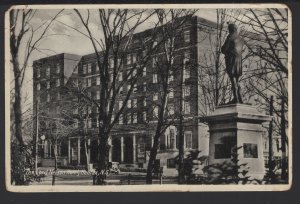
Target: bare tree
24,40
118,27
167,64
58,130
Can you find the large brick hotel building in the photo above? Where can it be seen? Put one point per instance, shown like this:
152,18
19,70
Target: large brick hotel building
132,136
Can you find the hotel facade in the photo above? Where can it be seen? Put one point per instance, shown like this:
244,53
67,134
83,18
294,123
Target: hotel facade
132,136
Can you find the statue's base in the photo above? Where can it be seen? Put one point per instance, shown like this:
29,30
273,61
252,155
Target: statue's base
240,126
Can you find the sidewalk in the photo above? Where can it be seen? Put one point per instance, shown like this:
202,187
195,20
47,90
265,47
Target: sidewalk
135,178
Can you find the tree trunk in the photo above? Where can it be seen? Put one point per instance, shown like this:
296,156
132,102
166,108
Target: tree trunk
86,148
152,158
284,167
18,120
102,169
55,157
18,104
181,135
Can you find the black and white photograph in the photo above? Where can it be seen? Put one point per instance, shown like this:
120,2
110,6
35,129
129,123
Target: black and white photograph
120,97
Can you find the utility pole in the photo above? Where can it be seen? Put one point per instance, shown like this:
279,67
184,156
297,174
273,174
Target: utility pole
36,137
270,160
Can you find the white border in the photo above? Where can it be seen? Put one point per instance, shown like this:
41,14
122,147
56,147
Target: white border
142,188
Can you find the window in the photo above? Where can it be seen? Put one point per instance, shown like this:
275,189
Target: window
172,138
154,78
121,119
98,80
170,42
154,61
186,73
134,119
58,68
97,95
57,82
134,103
155,112
121,90
155,97
129,74
128,87
145,102
111,63
83,82
154,44
97,67
188,139
89,109
38,99
120,77
187,108
58,96
187,36
186,57
89,82
129,103
250,150
134,88
38,73
187,90
133,58
128,118
120,104
144,86
38,86
119,62
48,97
171,109
134,72
144,71
111,77
48,84
128,59
112,117
89,68
97,122
89,123
75,124
48,71
84,69
171,93
145,116
171,77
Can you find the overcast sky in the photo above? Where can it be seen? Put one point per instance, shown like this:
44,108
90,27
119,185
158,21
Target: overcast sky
74,42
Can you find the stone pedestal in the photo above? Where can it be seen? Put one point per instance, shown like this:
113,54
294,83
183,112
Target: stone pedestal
237,125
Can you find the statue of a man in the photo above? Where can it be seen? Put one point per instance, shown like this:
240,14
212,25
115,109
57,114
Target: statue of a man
232,49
